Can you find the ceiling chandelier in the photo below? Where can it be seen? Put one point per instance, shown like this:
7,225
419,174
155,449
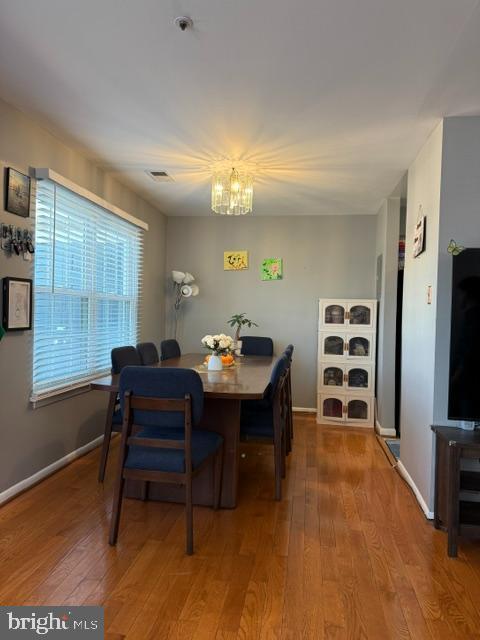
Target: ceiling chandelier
232,192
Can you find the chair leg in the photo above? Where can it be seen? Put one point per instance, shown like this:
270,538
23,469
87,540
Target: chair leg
116,510
284,454
107,436
290,405
288,438
189,515
277,452
217,477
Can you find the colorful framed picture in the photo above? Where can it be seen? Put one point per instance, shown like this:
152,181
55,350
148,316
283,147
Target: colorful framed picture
17,192
17,304
235,260
272,269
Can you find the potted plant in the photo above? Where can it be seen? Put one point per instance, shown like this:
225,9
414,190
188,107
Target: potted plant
239,320
219,345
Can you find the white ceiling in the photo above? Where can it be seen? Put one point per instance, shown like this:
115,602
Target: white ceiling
331,99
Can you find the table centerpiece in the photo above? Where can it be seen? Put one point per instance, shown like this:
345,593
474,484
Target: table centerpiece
220,345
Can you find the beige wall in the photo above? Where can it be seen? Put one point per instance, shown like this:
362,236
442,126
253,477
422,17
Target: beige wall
34,438
324,256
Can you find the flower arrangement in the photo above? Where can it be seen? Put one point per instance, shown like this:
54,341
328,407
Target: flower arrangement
218,344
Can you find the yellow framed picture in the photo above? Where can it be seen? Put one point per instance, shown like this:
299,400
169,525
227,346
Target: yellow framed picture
235,260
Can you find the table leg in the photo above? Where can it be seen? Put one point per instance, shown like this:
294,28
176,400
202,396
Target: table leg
223,416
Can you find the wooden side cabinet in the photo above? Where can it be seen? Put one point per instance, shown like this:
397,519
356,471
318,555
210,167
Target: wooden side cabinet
453,510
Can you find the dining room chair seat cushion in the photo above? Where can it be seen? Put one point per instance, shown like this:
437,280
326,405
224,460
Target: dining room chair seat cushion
204,443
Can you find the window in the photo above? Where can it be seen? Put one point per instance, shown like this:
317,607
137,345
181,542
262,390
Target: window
88,266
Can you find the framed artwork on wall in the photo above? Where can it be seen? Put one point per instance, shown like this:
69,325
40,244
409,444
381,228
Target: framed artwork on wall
235,260
17,304
272,269
419,237
17,192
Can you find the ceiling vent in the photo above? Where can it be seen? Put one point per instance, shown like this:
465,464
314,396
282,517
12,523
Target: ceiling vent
159,176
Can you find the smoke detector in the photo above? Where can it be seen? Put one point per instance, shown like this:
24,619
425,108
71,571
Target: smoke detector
159,176
184,22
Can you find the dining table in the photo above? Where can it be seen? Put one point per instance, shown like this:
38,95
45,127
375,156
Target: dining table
246,379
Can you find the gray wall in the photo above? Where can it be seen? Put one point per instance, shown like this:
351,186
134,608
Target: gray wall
419,318
388,228
445,179
35,438
325,256
460,220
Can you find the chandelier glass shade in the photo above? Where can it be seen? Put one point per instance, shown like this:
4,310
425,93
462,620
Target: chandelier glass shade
232,192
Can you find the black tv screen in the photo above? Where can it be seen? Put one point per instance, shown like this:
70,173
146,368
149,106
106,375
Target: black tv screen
464,381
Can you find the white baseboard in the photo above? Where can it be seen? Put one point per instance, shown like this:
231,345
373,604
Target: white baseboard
409,480
11,492
385,432
305,409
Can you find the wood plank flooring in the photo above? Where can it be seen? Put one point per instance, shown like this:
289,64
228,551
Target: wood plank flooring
346,555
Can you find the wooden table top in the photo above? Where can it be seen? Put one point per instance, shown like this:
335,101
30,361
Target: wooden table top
246,380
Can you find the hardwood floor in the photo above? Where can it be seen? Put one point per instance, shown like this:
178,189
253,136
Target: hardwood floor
346,554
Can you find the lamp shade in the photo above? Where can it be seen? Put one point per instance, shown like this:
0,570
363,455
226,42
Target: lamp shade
186,291
188,278
178,276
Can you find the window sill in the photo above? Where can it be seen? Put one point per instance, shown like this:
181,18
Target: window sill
38,403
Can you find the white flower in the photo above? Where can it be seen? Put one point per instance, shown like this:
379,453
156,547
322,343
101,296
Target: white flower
224,344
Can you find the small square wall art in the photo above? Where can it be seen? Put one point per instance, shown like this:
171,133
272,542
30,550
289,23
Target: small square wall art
235,260
272,269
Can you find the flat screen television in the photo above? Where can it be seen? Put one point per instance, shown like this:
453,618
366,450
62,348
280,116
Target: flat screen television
464,379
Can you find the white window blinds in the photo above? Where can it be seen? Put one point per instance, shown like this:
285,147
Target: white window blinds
88,273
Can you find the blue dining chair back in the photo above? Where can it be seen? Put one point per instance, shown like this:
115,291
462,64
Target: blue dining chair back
267,419
289,351
164,382
279,368
257,346
121,357
169,349
148,353
124,357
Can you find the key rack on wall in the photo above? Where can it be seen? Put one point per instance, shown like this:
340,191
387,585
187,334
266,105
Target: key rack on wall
16,241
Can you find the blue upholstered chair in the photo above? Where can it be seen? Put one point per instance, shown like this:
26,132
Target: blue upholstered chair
257,346
169,349
267,419
148,353
165,404
121,357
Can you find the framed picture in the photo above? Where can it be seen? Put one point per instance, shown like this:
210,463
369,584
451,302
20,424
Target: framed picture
17,192
419,237
17,304
272,269
235,260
